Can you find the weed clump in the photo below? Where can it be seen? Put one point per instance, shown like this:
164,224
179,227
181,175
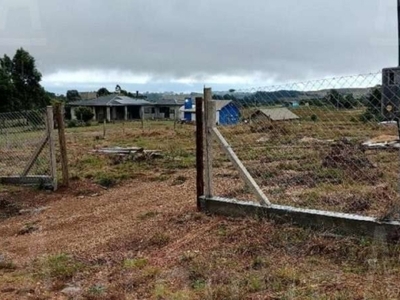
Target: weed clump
60,266
159,240
106,181
137,263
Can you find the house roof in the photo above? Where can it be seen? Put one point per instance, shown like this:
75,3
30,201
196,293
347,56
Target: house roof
111,100
168,102
220,104
278,114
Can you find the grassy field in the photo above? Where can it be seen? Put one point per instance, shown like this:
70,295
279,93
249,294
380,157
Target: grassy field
320,164
128,228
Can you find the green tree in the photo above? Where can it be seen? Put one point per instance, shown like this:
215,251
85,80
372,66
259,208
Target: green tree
102,92
349,101
26,81
373,104
217,97
335,98
7,90
73,95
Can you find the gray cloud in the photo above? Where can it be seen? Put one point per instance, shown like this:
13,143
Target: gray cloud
285,39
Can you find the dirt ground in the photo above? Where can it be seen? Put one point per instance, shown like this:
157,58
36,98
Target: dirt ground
144,239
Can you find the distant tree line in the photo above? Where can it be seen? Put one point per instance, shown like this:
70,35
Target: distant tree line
333,99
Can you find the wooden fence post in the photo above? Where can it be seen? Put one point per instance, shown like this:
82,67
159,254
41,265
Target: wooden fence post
104,128
142,116
50,133
63,144
199,151
210,120
176,115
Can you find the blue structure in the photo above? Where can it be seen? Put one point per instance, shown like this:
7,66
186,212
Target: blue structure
229,114
292,104
188,107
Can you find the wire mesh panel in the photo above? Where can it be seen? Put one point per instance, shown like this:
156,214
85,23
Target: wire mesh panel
22,135
327,144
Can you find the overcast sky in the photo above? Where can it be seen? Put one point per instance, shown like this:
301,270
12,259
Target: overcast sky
180,45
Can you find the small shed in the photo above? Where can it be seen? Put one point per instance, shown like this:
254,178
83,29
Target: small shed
227,112
292,103
274,115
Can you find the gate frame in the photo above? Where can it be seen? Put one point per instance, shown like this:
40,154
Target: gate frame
48,140
318,219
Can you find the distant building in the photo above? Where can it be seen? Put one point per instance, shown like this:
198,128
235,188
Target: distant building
227,112
273,115
113,107
292,103
164,109
88,95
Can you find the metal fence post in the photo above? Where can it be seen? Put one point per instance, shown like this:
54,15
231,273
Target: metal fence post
50,133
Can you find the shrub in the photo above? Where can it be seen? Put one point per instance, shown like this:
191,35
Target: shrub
60,266
84,114
35,118
106,181
72,123
314,118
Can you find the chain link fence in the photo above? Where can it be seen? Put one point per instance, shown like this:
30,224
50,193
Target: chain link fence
325,144
24,148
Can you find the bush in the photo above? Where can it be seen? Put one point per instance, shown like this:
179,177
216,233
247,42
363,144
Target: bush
84,114
72,123
369,116
35,118
60,266
314,118
106,181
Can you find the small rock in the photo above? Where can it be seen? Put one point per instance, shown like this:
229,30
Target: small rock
71,291
263,139
95,195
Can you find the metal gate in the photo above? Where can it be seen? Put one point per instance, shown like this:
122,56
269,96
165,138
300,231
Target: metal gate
27,148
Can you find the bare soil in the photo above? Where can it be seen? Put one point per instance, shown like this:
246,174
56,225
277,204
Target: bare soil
144,239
